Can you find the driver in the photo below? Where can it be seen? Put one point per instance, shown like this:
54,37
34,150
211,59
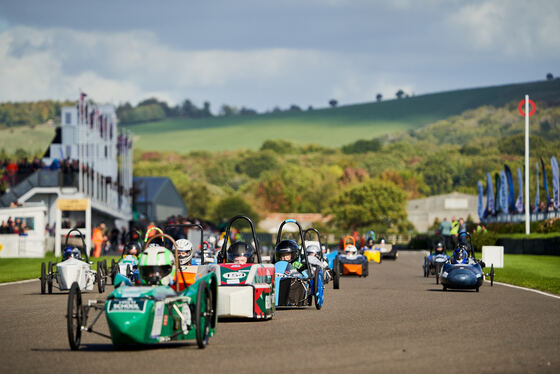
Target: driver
369,245
286,250
460,255
240,253
439,248
132,248
156,266
67,253
313,256
184,252
351,251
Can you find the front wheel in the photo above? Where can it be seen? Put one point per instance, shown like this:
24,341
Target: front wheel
74,316
50,278
336,275
438,268
204,314
318,288
113,270
43,278
100,278
491,275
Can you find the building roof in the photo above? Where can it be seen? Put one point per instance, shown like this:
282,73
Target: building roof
154,185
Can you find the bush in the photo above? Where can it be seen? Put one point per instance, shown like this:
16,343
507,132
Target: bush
483,238
362,146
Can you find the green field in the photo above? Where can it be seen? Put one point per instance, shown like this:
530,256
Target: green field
15,269
538,272
31,139
330,127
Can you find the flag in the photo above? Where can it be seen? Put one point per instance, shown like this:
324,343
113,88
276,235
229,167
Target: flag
537,197
480,201
510,191
78,111
519,202
503,193
489,196
545,184
111,131
554,164
498,190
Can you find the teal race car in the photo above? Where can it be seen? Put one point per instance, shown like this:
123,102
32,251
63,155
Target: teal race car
152,312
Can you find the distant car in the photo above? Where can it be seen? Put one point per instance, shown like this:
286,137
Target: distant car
328,270
387,250
351,262
74,267
434,261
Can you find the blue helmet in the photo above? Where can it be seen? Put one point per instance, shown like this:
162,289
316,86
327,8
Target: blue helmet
460,255
67,253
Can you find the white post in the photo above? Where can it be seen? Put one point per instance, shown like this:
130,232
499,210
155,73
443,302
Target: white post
527,213
57,232
88,226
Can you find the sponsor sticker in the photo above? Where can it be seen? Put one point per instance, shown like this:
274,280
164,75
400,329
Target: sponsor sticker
235,275
127,305
268,301
232,281
186,322
158,320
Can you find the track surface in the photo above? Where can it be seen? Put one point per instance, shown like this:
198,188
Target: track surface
393,321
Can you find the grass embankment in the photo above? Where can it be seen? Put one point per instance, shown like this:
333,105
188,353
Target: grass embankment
15,269
532,271
331,127
30,138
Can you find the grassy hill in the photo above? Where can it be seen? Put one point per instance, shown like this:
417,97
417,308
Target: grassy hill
331,126
32,139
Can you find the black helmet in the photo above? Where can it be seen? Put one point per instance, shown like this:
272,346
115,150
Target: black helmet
131,247
240,249
286,247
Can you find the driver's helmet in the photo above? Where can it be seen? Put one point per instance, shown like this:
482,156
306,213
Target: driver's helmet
370,243
240,253
351,250
460,255
463,238
439,248
156,266
312,250
184,251
132,248
67,253
382,241
76,253
286,250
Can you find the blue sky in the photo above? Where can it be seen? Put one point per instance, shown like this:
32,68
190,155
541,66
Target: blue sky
262,54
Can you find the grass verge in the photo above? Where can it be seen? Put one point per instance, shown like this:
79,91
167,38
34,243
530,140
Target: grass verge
532,271
16,269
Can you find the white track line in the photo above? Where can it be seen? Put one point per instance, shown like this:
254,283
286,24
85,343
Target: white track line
19,282
526,289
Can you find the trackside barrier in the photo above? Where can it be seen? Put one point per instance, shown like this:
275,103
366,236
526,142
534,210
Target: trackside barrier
493,255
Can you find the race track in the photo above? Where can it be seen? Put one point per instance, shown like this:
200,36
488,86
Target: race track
393,321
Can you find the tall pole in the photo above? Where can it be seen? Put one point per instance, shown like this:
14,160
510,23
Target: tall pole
527,213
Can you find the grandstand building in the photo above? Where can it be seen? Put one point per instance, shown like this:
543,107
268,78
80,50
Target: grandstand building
86,176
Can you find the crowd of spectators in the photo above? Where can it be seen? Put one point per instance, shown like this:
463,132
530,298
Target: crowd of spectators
11,226
13,172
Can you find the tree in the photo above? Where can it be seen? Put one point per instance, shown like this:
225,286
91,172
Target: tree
228,111
362,146
549,77
374,202
257,162
206,110
295,108
333,103
379,97
231,206
399,94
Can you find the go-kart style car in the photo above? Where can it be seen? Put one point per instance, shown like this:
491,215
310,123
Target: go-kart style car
387,250
329,272
127,265
245,290
74,267
433,263
466,274
297,285
148,314
370,250
351,262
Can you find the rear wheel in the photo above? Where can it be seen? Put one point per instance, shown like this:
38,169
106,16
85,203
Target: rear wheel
74,316
437,273
43,278
444,288
50,277
100,278
336,274
318,288
113,270
491,275
204,314
477,289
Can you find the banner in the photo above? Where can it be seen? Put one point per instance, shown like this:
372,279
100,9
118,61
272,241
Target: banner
504,206
554,164
545,184
480,201
537,197
510,192
489,196
519,202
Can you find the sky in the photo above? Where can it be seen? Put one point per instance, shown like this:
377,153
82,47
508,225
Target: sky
262,54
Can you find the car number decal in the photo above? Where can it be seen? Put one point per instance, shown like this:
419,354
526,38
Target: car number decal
127,305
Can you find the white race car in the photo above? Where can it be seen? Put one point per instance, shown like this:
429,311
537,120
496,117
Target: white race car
74,267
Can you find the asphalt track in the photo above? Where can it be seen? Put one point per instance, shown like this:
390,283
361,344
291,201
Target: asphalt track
393,321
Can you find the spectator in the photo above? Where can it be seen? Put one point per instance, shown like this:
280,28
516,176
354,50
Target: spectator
445,229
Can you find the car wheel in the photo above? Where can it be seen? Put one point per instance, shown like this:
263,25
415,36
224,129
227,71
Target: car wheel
113,270
336,275
318,288
43,278
100,278
444,288
492,275
477,289
437,273
74,316
50,277
204,314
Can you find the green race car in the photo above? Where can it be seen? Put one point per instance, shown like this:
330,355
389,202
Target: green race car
153,312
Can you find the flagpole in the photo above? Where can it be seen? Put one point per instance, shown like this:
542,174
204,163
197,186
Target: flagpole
527,213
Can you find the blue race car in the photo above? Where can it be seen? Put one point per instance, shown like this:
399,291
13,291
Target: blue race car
297,281
434,261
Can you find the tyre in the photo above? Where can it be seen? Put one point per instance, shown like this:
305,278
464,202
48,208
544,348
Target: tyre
50,277
113,270
43,278
105,271
477,289
444,289
492,275
100,278
204,314
437,273
318,288
74,316
336,275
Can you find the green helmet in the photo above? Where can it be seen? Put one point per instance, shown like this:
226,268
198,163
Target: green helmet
156,266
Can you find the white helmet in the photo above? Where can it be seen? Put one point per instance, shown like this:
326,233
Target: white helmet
351,250
312,248
156,266
382,241
184,251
